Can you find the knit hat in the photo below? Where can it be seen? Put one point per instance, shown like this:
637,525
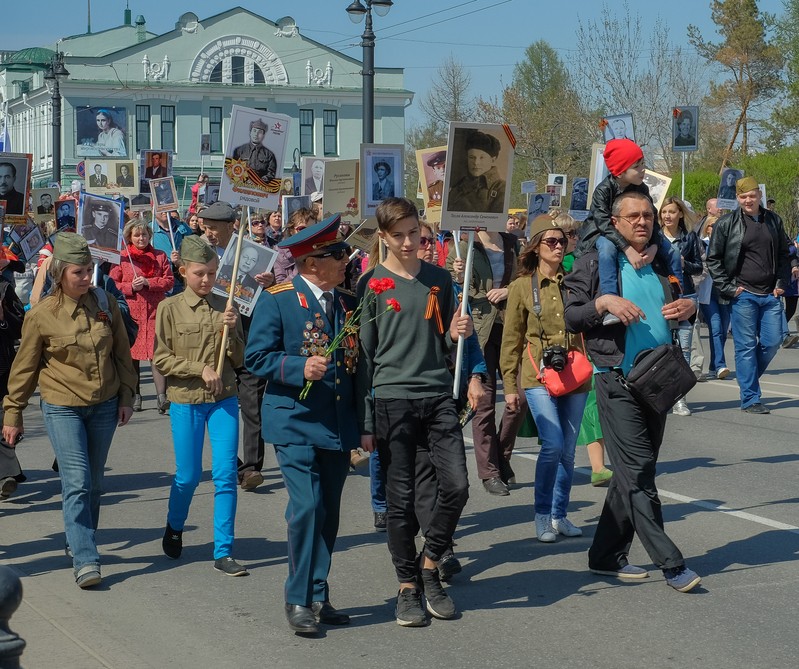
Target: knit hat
745,185
194,249
541,224
621,154
72,248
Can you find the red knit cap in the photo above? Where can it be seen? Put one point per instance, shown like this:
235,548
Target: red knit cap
621,154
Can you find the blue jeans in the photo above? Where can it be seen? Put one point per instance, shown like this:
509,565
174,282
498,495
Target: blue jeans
188,434
684,337
757,331
717,317
81,438
558,421
377,482
607,259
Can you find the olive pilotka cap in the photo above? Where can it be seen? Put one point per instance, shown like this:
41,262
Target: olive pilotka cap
194,249
745,185
72,248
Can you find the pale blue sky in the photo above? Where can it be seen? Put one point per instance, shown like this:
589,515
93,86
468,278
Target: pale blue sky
487,36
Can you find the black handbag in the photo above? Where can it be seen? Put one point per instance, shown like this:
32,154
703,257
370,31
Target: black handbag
660,376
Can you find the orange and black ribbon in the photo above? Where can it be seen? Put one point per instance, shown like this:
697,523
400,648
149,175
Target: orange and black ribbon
433,309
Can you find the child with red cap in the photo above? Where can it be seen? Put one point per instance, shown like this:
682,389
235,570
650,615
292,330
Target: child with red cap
625,161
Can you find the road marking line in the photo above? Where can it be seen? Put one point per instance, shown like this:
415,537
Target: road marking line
702,504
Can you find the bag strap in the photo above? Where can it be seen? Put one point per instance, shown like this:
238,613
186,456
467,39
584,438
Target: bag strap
102,301
537,312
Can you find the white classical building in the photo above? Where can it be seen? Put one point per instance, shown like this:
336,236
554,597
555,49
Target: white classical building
166,91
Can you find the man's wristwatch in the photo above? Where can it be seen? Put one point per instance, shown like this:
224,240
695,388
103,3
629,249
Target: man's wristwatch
479,375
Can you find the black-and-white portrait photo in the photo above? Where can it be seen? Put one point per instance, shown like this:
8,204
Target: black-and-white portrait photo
65,218
579,198
100,221
254,259
15,170
165,197
124,175
658,185
382,181
684,130
619,126
211,193
539,204
477,175
101,131
292,203
313,170
727,187
98,178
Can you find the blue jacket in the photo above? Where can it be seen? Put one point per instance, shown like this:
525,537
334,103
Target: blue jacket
326,418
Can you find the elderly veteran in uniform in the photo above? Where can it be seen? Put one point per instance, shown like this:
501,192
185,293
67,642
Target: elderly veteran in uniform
291,327
482,189
74,345
435,189
103,228
750,266
256,155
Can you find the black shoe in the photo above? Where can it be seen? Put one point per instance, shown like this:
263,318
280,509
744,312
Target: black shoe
438,601
448,566
757,408
228,566
409,611
8,486
172,542
325,613
380,521
506,472
495,486
301,619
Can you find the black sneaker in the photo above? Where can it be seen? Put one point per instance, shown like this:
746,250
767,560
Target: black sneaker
756,408
448,566
380,521
438,601
409,611
172,542
227,565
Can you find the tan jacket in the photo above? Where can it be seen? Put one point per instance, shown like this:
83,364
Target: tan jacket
188,335
522,327
77,356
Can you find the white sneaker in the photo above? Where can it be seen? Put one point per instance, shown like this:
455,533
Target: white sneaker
681,408
722,373
543,528
566,527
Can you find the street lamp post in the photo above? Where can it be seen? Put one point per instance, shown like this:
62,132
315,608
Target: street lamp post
357,11
54,75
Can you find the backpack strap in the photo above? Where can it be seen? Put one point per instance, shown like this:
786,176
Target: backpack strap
102,301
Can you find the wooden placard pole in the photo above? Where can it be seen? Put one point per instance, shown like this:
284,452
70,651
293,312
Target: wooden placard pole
226,331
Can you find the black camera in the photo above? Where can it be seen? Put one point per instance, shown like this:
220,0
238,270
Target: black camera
555,358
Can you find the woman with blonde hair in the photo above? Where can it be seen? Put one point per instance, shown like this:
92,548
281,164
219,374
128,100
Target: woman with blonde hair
144,276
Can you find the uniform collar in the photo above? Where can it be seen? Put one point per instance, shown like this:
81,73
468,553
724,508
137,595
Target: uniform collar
71,305
192,298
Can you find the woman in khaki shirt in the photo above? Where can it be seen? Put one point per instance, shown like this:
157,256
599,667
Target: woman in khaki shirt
525,338
78,353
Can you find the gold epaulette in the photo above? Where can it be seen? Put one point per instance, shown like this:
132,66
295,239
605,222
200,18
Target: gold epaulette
280,287
344,291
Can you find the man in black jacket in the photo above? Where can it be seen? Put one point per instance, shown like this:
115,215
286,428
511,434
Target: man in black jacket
633,432
749,263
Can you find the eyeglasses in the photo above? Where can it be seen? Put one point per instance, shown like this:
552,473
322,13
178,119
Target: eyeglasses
552,242
259,222
338,254
635,218
424,242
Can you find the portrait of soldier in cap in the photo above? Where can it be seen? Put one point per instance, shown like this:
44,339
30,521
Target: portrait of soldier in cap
383,185
435,189
257,156
65,214
100,223
481,189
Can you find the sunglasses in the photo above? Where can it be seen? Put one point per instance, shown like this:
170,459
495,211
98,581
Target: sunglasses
571,234
551,242
424,242
259,222
338,254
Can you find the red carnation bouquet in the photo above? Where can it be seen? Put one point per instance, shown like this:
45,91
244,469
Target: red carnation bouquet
353,323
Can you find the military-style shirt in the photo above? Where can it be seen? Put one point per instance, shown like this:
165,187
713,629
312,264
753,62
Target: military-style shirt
78,354
261,159
485,193
188,336
522,328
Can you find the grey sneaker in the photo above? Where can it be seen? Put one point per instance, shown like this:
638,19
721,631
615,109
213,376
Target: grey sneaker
682,579
628,571
438,601
543,528
88,576
409,611
566,527
681,408
227,565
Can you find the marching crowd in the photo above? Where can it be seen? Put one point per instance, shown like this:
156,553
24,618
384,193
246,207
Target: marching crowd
352,357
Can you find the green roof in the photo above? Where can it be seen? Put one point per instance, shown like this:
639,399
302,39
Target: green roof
32,57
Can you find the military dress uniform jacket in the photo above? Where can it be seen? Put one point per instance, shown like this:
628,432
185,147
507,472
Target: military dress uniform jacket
277,349
78,354
188,336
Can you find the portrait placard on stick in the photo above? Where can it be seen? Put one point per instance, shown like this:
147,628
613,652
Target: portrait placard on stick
341,190
618,126
112,176
432,166
254,259
382,175
293,202
100,221
313,175
558,180
154,165
578,206
539,204
254,157
165,196
658,185
727,197
43,203
15,177
685,128
479,166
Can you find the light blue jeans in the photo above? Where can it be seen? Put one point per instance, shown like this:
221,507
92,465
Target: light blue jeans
558,421
757,333
81,438
188,434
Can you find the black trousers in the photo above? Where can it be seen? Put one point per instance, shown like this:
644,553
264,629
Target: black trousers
401,425
633,435
251,394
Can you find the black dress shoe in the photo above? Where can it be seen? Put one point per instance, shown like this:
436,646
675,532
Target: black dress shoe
495,486
325,613
301,619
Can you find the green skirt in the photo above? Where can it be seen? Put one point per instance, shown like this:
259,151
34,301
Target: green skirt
590,429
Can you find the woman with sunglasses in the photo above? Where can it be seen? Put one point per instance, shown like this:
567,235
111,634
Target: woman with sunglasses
529,337
494,267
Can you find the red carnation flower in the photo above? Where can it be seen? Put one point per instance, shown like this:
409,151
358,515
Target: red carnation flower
393,304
